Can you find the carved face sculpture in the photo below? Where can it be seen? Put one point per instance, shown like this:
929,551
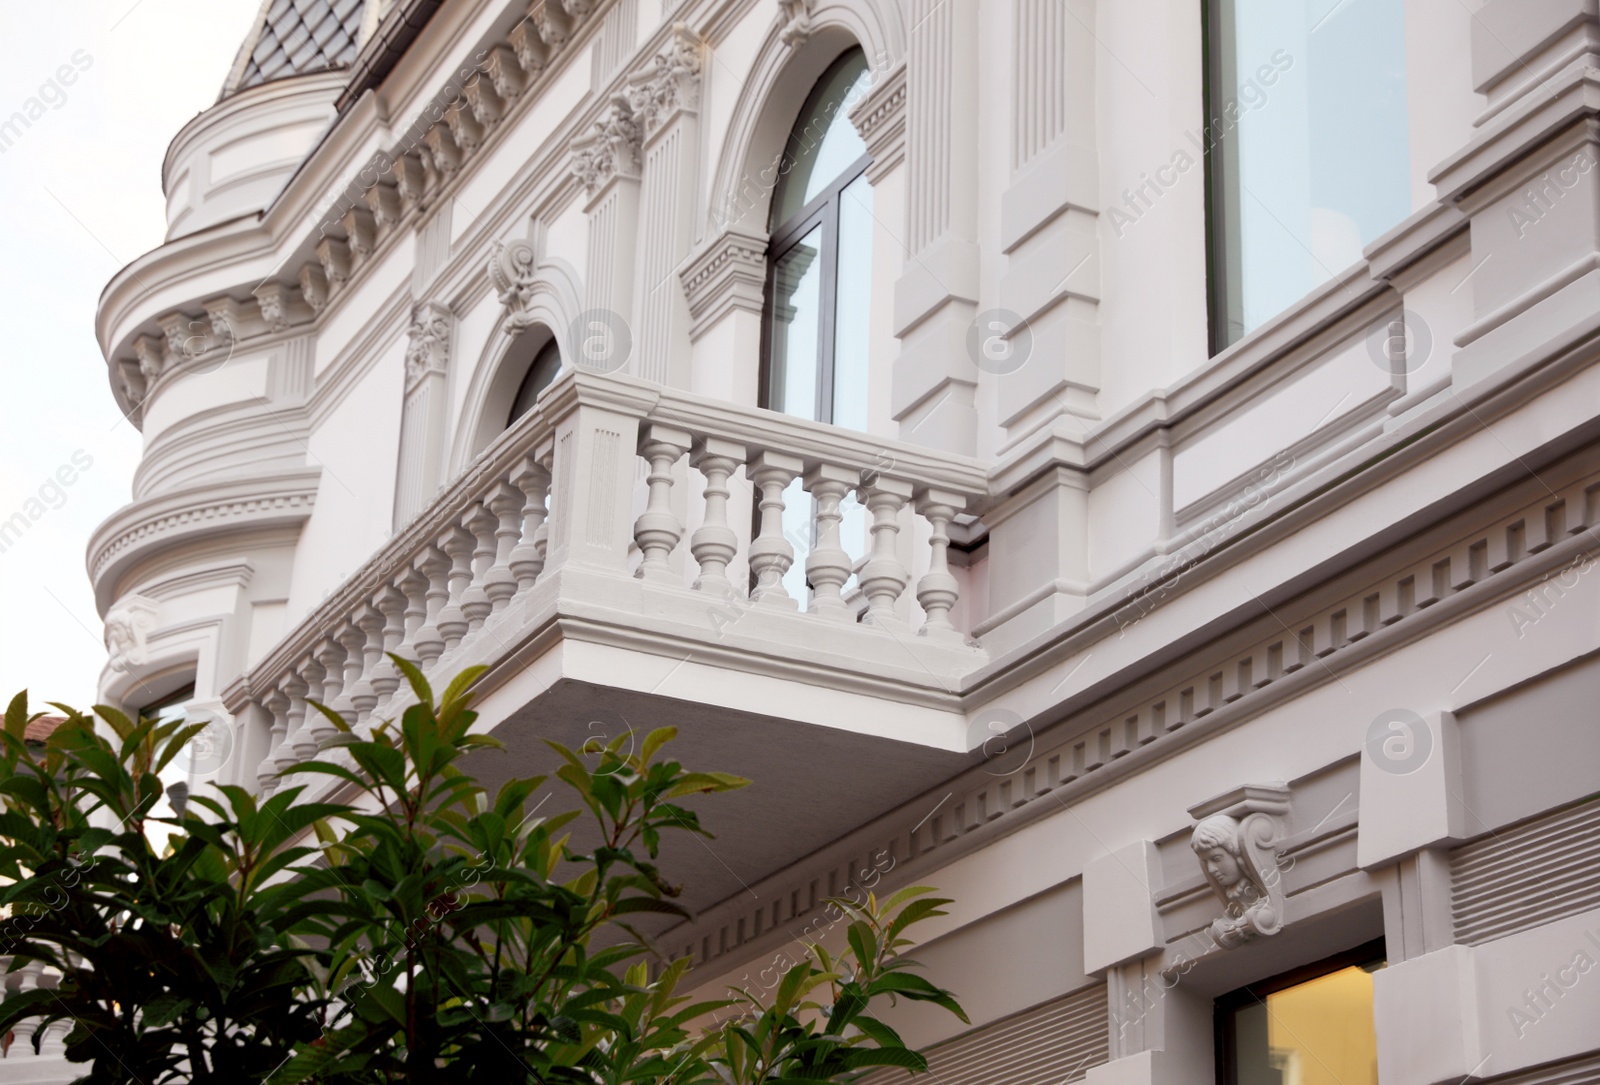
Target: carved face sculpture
1220,867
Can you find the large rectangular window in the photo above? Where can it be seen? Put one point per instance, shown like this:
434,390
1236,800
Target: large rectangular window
1306,147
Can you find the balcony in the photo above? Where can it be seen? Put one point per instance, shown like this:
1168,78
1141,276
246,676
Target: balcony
623,557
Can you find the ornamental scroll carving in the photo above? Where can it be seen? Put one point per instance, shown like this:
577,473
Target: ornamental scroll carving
512,268
1236,843
797,22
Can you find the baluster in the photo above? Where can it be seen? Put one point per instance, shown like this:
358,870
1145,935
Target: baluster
448,618
475,599
304,734
527,559
714,543
276,704
330,655
937,590
293,688
415,586
354,642
434,565
828,566
657,530
883,578
500,583
400,620
53,1039
770,553
363,694
21,982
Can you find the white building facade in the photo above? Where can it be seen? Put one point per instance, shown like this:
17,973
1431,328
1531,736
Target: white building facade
1133,465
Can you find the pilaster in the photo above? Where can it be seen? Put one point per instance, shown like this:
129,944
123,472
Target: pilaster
607,162
423,415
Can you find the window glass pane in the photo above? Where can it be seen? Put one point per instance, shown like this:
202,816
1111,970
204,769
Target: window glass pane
1320,1032
1307,132
796,327
546,364
823,141
853,307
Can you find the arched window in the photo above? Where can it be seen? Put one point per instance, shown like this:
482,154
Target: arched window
541,371
819,261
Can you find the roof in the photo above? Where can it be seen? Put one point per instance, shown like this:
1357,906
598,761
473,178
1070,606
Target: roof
40,729
297,37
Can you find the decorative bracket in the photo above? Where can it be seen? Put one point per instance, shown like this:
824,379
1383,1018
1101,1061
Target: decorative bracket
1236,842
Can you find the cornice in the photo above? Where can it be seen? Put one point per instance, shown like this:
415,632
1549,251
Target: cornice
1099,741
170,519
880,118
1570,98
729,272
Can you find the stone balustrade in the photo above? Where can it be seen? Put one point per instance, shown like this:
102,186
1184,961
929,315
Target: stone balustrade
600,463
34,1054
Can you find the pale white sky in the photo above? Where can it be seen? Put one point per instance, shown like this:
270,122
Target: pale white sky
80,196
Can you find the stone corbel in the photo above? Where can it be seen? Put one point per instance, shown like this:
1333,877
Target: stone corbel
411,181
281,306
512,267
186,337
443,153
152,358
314,287
383,200
361,232
464,127
553,25
487,106
728,273
1235,840
505,67
880,118
334,256
229,320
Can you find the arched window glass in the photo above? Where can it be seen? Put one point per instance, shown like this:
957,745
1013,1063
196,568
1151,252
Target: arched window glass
541,371
819,261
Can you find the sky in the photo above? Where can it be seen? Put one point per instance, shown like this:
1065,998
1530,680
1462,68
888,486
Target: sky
80,196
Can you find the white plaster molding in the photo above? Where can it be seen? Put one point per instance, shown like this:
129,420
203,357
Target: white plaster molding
729,273
128,627
513,271
1236,842
169,521
428,348
880,118
670,85
610,150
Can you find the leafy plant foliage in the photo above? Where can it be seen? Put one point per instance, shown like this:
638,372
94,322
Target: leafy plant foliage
405,927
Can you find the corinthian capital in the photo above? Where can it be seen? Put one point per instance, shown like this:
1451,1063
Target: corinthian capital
610,150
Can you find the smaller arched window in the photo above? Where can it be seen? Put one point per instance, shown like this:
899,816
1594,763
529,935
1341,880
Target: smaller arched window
819,260
541,371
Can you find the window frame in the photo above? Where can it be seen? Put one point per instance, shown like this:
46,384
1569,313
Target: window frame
822,210
1225,1006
